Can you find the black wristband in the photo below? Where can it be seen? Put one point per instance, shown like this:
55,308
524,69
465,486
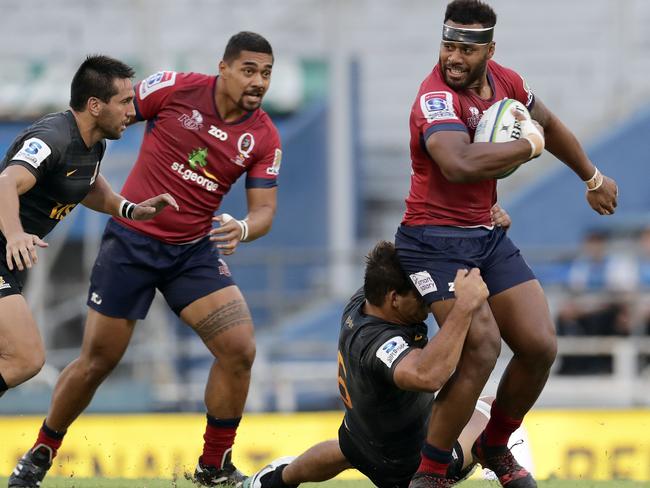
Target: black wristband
126,209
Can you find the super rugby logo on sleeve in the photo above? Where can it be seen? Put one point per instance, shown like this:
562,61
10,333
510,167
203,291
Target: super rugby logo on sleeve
423,282
157,81
391,350
438,106
33,152
529,94
274,169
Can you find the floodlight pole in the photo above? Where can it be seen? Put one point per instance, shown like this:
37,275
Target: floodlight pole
341,211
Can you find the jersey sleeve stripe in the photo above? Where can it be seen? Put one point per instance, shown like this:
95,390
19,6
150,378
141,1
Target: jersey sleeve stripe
27,166
444,127
261,182
138,115
532,104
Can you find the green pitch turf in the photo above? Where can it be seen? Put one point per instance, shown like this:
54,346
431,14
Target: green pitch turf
58,482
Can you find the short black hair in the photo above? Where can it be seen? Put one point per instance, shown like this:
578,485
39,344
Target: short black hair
95,78
471,12
246,41
383,274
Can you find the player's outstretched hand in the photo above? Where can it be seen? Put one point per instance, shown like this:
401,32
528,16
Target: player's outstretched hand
500,217
21,250
227,235
470,289
153,206
604,198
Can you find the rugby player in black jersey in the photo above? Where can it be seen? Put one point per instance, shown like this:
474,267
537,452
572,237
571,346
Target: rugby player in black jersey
388,373
49,168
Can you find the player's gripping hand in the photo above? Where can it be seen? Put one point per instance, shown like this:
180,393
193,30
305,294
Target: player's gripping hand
153,206
500,217
532,132
21,250
604,199
228,235
470,289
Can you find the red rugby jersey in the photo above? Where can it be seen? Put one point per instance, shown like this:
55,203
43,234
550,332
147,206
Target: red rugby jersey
190,152
433,200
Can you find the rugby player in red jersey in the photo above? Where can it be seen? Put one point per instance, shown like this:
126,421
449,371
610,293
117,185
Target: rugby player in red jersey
203,132
447,226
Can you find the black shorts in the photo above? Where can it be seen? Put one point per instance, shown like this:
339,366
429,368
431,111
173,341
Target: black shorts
399,473
431,255
396,475
130,267
11,282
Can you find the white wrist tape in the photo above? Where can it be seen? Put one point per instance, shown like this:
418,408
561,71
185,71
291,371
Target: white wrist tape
243,225
126,209
595,181
532,147
528,129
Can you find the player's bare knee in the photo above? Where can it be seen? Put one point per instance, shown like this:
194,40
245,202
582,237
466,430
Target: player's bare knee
96,368
483,344
30,363
240,356
546,351
539,353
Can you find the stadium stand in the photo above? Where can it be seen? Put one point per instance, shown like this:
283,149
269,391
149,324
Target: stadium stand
285,275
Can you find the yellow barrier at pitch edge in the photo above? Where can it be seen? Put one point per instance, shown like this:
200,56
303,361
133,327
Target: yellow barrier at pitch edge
564,444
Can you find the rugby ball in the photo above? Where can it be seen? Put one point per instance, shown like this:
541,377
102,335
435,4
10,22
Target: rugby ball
498,124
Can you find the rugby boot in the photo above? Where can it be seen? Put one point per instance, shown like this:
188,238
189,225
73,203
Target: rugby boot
225,475
457,473
500,460
455,469
430,480
270,476
32,467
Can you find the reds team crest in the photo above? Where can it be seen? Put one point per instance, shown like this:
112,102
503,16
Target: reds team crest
245,145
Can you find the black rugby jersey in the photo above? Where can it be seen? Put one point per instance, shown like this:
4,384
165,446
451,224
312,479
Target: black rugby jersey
386,423
65,169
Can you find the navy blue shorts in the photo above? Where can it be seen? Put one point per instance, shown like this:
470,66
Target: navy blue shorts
130,267
431,255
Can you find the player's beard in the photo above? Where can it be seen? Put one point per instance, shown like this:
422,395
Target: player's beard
113,134
249,107
472,76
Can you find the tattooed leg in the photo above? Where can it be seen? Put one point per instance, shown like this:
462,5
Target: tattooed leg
223,322
225,317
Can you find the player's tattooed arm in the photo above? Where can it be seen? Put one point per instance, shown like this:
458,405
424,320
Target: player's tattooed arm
223,318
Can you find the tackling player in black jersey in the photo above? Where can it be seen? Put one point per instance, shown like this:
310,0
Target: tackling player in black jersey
388,373
49,168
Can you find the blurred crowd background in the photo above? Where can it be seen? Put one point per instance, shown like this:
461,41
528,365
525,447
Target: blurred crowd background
345,77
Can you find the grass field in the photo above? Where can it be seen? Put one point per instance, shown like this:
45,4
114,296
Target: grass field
58,482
